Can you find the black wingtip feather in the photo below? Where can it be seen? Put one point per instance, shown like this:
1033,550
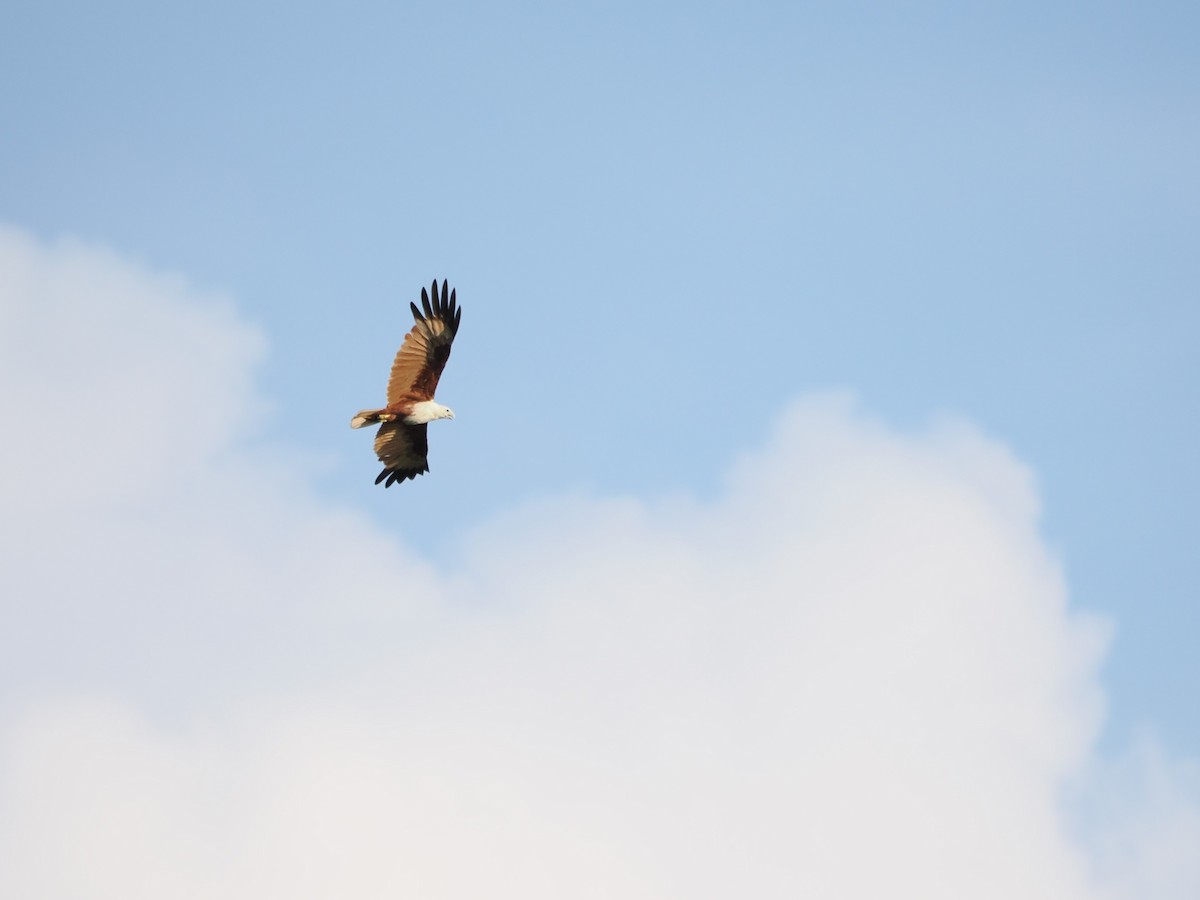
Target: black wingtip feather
399,476
443,305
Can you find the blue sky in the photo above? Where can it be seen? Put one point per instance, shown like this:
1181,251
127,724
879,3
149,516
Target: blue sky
666,223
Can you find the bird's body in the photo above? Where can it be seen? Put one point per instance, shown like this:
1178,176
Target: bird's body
401,442
412,412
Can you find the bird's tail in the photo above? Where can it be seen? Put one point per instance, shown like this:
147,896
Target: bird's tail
367,417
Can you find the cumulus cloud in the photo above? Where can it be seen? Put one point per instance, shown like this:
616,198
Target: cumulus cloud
1140,814
854,673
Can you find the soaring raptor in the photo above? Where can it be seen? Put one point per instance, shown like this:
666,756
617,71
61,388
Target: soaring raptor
401,443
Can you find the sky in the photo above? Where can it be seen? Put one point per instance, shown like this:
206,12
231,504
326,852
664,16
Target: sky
820,488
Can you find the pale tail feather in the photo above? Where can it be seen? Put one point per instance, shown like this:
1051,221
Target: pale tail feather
366,417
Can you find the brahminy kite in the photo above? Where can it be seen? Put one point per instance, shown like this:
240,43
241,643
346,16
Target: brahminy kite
401,443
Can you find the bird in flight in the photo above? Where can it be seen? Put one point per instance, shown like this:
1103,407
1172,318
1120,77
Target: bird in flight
401,443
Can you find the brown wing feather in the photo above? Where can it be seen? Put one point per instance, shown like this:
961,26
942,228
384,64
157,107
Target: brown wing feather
422,356
403,450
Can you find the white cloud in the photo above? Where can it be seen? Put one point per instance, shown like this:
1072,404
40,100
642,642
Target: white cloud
853,674
119,380
1140,812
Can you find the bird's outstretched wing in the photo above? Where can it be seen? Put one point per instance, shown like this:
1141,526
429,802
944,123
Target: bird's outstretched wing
403,450
422,356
